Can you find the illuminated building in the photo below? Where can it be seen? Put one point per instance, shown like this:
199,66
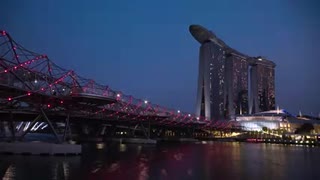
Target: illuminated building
275,120
229,82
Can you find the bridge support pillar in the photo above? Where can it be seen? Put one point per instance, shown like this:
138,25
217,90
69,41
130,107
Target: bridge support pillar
67,129
146,131
113,130
12,127
103,130
50,124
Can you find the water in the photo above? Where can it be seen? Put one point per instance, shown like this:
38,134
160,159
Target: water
218,160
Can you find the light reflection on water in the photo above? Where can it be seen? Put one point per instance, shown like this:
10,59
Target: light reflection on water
10,173
123,147
172,161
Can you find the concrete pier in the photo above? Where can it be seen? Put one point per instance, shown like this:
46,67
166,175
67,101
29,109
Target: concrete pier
178,140
39,148
133,140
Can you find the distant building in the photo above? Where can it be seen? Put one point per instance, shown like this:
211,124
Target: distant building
276,120
229,82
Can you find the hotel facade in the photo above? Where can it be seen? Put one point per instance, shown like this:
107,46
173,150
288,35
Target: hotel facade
231,83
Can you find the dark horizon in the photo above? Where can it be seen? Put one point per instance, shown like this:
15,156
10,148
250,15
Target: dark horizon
145,49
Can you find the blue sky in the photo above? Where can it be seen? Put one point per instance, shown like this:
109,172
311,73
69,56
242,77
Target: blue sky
144,48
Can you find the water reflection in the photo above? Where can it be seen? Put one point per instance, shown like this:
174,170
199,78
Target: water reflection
123,147
60,171
143,168
9,173
113,167
36,167
176,161
100,145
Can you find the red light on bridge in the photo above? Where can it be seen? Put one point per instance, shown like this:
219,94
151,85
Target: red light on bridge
61,102
29,93
4,33
9,99
5,71
48,105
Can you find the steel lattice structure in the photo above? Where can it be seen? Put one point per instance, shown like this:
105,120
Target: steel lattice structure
30,81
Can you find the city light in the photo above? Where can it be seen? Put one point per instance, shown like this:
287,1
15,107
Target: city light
26,126
146,102
178,111
44,126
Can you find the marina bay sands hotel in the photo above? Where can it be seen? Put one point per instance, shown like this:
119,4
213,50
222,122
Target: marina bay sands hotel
231,83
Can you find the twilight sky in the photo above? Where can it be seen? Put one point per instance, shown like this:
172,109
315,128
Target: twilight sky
144,48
